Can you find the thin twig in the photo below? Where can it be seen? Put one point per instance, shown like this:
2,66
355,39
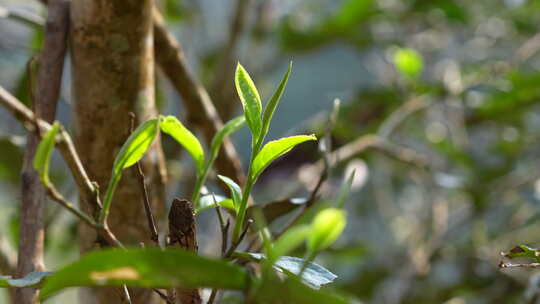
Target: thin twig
45,93
59,198
144,191
240,238
65,145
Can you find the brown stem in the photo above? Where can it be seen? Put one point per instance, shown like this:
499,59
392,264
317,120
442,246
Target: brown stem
183,232
49,76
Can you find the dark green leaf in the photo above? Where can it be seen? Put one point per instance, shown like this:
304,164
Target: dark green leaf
44,150
275,149
251,101
291,290
184,137
146,268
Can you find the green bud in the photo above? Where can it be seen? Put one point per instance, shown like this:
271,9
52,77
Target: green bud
326,228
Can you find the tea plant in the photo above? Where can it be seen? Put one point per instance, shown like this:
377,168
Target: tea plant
299,279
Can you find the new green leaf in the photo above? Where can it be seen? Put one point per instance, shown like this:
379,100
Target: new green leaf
136,145
274,101
172,126
326,227
44,150
275,149
251,101
131,152
146,268
236,191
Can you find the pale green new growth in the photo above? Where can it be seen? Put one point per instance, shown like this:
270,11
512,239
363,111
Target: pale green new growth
172,126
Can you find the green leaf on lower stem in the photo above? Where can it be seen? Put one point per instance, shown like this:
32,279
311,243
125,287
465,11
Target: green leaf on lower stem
151,267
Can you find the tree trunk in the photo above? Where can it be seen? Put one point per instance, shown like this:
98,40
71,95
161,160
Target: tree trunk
113,75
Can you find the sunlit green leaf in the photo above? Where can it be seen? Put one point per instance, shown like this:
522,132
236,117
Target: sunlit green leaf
408,62
275,149
136,145
236,191
251,101
33,279
44,151
274,101
146,268
131,152
326,227
172,126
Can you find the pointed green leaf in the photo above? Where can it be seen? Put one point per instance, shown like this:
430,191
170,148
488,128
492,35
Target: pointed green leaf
33,279
146,268
275,149
172,126
136,145
251,101
229,128
274,101
236,191
44,150
326,227
131,152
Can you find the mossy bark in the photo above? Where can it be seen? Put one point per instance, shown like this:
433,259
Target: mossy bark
113,75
